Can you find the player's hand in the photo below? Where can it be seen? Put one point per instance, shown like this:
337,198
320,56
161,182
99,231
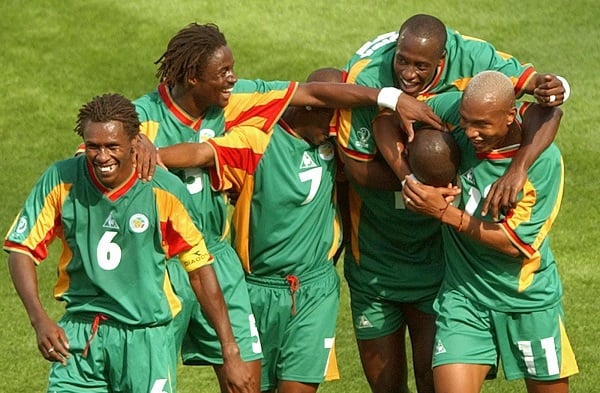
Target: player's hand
146,158
52,341
239,378
410,110
549,90
428,200
503,193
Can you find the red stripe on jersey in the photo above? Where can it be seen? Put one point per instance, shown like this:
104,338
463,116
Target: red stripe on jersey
356,155
523,80
270,112
438,75
180,114
173,242
525,248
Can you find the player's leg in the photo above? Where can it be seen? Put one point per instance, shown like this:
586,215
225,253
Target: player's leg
558,386
296,387
457,377
421,327
384,362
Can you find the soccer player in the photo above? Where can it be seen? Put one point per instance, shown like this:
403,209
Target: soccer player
116,233
286,233
198,98
395,263
501,294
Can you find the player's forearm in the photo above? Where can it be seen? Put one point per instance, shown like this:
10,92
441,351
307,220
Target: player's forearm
208,292
372,174
334,95
24,277
187,155
487,233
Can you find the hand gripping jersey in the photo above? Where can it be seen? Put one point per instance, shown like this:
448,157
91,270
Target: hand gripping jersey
254,103
114,242
285,220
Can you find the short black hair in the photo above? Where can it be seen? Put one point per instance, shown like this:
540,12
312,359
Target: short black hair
109,107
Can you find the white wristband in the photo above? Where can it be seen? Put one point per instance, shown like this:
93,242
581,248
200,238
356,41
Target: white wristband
388,97
565,86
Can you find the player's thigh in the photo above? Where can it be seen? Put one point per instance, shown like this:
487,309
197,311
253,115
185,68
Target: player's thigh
463,378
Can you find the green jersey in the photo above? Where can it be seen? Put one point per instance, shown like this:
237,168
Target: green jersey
285,219
501,282
115,242
255,103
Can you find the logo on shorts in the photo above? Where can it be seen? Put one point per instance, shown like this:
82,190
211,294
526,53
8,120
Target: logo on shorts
138,223
363,323
439,348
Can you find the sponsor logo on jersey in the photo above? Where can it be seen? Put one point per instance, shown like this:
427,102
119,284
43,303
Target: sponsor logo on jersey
364,137
307,162
363,323
326,151
138,223
439,347
110,222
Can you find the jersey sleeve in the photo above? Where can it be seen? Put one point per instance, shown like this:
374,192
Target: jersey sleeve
258,103
38,223
237,155
180,233
446,106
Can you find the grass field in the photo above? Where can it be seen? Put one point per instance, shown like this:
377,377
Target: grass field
57,54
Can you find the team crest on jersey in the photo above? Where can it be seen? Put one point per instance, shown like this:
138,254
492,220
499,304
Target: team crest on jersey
307,162
206,134
326,151
21,226
110,222
364,137
138,223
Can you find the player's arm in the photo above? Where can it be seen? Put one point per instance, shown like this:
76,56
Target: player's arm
431,201
146,157
208,291
348,95
391,143
540,125
187,155
52,341
371,174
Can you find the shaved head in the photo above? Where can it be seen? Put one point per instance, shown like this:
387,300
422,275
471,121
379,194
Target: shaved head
490,87
433,157
327,74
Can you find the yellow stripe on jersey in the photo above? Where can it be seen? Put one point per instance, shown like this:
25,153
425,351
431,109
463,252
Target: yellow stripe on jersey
173,300
150,129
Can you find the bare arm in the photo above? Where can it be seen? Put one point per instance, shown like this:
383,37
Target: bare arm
540,125
348,95
51,339
431,201
371,174
208,292
187,155
391,143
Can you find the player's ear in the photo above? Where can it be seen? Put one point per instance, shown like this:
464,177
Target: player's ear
510,118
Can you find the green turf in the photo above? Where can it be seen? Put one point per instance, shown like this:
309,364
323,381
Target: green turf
58,54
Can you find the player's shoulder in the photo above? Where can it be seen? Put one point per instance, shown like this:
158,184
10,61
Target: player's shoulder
259,86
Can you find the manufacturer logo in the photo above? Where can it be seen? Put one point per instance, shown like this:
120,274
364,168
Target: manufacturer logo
110,222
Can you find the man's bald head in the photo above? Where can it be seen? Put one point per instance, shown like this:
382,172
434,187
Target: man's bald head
433,157
490,87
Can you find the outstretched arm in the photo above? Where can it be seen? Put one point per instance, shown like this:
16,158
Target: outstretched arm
52,341
208,292
348,95
187,155
540,125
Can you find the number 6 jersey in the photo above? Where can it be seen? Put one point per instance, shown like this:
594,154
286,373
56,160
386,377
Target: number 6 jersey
115,242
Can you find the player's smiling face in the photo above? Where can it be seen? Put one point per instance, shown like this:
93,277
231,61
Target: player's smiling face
110,151
486,123
213,87
415,62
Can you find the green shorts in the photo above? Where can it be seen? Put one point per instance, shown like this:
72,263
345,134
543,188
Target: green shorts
531,345
297,347
200,343
120,358
377,310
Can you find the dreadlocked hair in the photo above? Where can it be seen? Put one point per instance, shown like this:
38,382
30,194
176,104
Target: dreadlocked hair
109,107
188,53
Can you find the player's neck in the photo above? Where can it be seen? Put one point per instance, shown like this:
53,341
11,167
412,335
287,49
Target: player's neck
186,102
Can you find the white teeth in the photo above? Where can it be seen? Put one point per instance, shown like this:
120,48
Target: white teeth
106,169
